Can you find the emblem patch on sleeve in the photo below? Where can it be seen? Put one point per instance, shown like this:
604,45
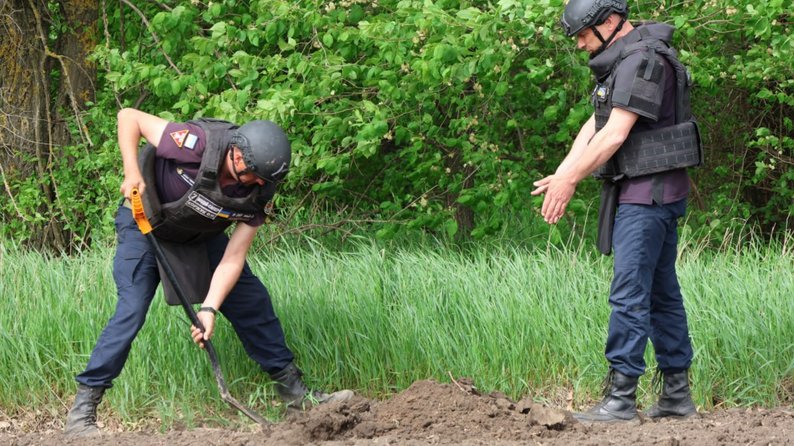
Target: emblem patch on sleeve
190,141
179,137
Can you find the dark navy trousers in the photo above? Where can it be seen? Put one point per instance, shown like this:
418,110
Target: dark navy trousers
645,296
247,307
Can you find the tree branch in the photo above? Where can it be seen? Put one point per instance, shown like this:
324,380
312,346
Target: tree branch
11,194
154,35
107,46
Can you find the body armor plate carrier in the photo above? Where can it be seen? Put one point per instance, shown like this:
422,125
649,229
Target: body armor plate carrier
204,211
659,150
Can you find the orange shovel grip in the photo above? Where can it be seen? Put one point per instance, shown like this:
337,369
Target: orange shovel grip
138,213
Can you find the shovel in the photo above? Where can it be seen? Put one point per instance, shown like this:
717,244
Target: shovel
146,228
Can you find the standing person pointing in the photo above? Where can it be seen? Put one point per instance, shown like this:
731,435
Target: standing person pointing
639,141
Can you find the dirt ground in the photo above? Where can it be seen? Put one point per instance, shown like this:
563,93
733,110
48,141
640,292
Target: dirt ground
431,413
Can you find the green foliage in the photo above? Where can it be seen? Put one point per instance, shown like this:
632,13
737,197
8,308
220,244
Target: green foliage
85,186
403,111
742,57
434,116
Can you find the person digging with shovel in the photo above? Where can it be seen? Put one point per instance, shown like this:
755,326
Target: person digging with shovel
196,178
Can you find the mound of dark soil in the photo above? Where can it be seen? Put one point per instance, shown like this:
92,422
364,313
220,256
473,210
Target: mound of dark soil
430,413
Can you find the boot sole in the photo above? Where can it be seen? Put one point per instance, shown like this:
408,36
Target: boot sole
306,404
342,395
631,422
673,416
83,434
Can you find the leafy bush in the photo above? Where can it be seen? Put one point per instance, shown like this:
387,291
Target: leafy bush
437,116
742,57
417,114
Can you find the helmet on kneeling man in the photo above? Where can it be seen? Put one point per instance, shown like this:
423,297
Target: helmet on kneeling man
265,149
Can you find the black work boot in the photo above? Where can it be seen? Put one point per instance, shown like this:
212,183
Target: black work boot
619,403
81,420
293,391
675,399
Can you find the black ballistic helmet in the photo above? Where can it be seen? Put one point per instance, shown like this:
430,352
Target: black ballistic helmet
581,14
265,148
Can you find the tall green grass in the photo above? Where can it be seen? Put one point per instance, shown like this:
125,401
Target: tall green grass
521,321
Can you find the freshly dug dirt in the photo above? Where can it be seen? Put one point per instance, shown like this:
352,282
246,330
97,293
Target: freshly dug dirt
430,413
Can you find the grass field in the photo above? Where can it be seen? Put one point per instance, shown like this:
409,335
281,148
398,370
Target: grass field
524,322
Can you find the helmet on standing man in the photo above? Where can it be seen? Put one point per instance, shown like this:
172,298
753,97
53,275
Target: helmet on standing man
581,14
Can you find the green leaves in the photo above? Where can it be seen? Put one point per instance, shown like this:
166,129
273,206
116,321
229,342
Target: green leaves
752,62
415,113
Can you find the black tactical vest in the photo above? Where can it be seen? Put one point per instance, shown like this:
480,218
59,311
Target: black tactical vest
652,151
204,210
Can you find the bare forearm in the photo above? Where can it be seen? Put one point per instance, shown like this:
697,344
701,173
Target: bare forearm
223,280
228,271
579,145
132,126
603,145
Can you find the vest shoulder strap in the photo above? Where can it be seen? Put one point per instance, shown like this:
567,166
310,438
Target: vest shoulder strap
217,138
683,78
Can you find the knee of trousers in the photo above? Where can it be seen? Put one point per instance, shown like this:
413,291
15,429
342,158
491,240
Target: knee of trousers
630,288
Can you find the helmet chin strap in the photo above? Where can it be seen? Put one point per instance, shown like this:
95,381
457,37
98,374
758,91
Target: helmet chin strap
237,173
605,43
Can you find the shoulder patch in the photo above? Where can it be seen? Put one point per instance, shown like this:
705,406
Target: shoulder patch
601,92
190,141
179,137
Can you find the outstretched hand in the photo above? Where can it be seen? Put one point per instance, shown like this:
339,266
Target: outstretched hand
558,190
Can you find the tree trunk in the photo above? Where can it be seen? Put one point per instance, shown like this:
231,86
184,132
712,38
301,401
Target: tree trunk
33,128
76,87
464,215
